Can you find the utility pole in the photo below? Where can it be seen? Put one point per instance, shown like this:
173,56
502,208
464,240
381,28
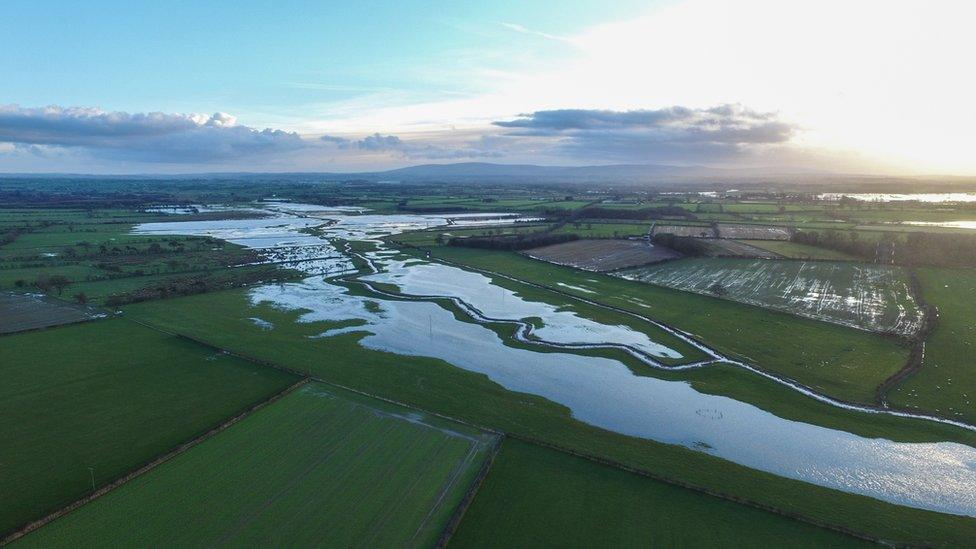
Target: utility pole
91,472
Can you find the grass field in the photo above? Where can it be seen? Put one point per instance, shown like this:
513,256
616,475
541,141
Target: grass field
946,381
795,250
223,318
320,466
110,395
870,297
833,359
537,497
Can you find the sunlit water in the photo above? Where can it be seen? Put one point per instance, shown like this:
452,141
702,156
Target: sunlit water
946,224
598,391
895,197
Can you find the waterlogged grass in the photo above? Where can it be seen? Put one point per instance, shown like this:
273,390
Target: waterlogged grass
947,380
537,497
223,319
110,395
832,359
321,465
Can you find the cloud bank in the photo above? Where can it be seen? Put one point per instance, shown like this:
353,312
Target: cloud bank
416,149
145,137
721,135
718,134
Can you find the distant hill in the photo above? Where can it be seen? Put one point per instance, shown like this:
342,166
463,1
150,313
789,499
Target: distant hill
652,175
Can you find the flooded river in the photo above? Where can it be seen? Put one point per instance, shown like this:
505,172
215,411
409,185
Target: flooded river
599,391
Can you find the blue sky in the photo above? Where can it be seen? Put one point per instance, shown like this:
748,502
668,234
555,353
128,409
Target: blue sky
287,86
274,57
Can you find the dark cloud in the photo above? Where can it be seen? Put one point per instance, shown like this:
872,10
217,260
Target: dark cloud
409,149
153,137
719,133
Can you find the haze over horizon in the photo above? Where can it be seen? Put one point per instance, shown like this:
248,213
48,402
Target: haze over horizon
105,87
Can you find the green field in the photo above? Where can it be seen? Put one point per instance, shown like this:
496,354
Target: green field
832,359
537,497
110,395
320,466
430,384
946,381
870,297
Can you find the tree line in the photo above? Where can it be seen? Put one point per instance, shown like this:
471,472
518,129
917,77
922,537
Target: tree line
914,249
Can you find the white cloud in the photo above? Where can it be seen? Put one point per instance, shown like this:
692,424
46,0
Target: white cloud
150,137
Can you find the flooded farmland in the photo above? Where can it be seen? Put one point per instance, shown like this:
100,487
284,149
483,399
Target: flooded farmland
869,297
598,391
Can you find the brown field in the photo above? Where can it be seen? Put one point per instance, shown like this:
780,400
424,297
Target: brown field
602,255
717,247
20,312
696,231
752,232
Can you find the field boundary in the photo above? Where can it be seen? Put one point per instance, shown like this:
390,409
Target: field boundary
916,358
30,527
462,507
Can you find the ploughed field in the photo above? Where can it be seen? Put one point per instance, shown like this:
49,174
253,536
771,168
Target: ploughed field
725,230
321,465
603,255
870,297
21,312
721,247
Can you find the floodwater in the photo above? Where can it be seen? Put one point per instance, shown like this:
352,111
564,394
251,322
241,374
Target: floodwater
598,391
895,197
560,326
947,224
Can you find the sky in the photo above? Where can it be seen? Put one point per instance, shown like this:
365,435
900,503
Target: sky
863,86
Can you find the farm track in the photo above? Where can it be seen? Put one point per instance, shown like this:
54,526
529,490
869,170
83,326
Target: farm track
716,356
30,527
